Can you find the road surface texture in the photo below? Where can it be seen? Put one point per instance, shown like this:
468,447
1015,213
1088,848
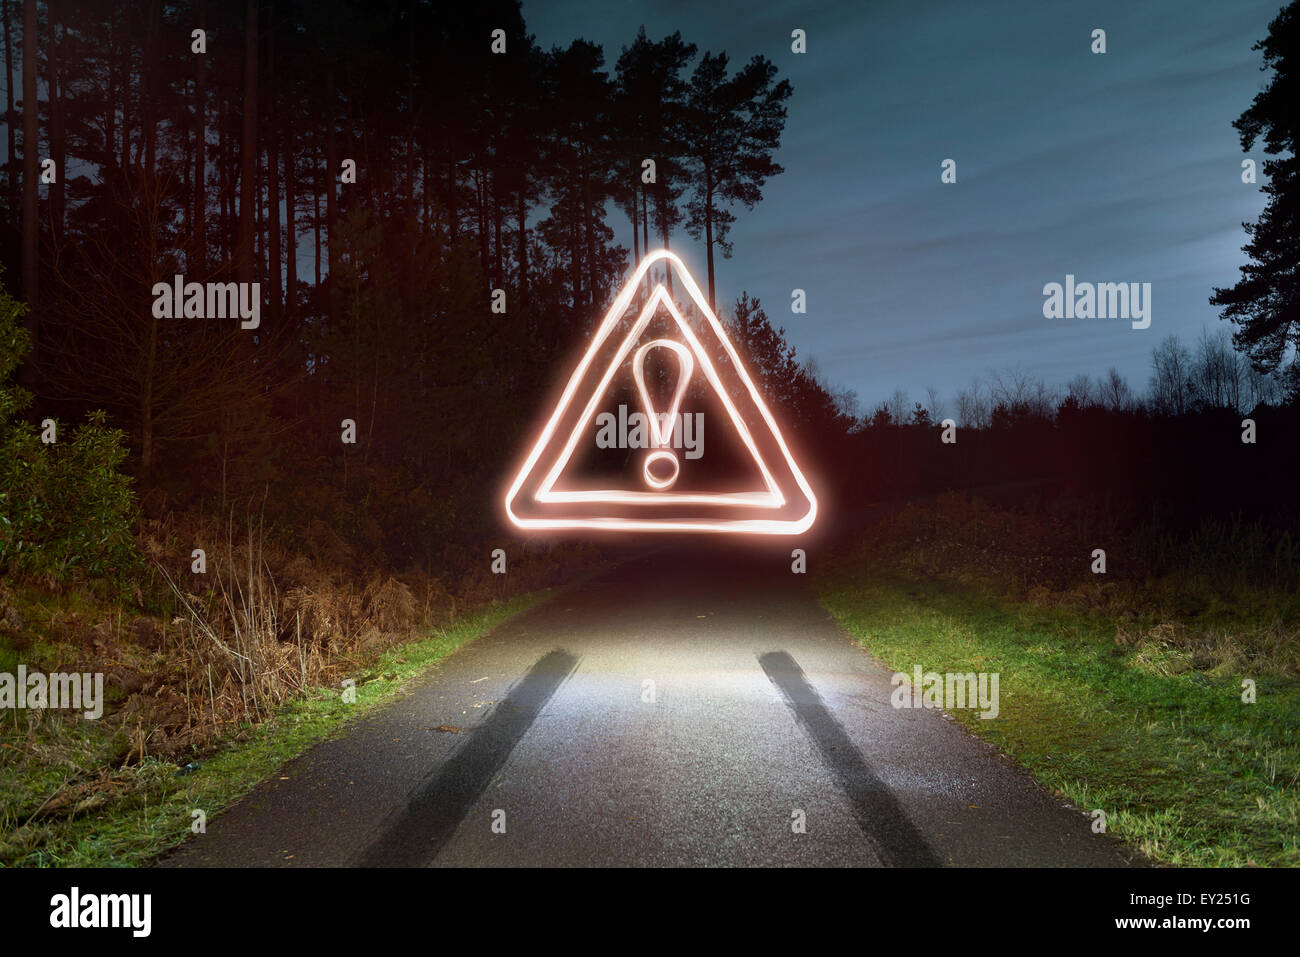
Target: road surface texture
681,709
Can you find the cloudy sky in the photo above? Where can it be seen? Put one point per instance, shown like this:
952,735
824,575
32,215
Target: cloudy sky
1122,167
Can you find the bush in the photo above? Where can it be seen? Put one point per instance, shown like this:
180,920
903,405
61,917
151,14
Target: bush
64,506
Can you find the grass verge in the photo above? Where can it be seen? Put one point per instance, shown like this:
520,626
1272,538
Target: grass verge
127,816
1182,767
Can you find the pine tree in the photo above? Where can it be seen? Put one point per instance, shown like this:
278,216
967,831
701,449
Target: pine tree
734,125
1265,302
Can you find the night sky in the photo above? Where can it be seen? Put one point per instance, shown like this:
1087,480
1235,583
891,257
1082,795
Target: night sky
1122,167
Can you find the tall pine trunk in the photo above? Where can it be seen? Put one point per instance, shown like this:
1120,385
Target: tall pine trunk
225,187
149,90
315,206
274,251
248,148
125,97
662,215
331,175
110,110
708,232
260,269
274,247
588,241
291,218
199,239
522,213
453,214
498,213
413,214
481,200
30,149
57,139
645,232
636,232
11,120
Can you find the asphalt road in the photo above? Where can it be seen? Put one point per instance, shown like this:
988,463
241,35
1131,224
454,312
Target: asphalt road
761,707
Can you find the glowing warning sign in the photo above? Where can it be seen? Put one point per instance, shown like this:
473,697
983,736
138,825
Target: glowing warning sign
783,505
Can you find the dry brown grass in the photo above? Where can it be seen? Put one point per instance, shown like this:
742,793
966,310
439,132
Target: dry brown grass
265,623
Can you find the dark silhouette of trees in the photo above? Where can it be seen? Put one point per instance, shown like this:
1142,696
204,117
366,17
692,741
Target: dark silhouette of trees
1265,302
734,125
476,171
808,408
768,357
1170,376
581,94
650,106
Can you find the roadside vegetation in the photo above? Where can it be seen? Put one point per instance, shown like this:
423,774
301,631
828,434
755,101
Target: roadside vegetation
1121,692
215,670
79,793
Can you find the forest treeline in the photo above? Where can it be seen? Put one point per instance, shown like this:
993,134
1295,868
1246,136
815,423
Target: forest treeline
380,170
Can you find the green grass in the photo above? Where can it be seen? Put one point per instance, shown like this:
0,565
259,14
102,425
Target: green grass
151,811
1184,769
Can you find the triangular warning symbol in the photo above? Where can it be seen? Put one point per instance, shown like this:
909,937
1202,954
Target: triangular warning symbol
785,503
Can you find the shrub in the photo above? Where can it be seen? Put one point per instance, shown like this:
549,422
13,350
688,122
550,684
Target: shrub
64,506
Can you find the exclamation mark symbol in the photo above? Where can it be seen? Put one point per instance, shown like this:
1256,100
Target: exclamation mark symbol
662,426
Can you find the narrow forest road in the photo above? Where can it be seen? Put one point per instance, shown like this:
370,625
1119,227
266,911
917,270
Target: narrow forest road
685,708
